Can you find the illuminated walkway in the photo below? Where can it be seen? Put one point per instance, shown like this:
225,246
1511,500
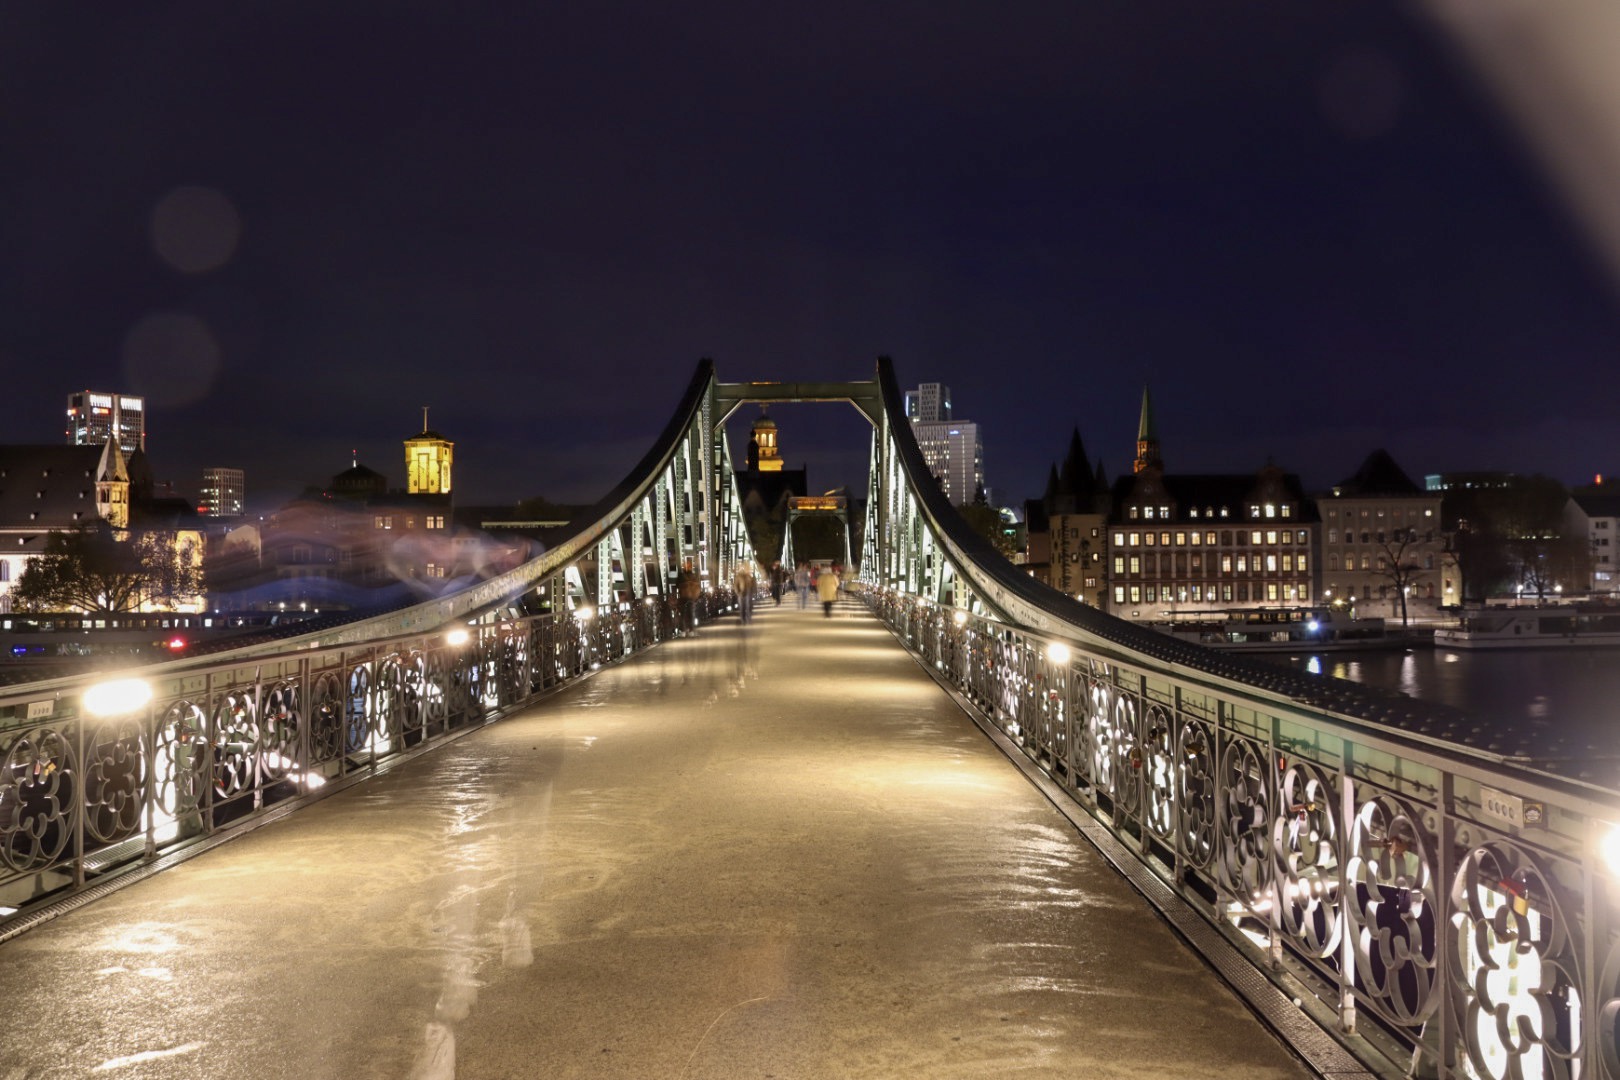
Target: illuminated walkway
778,851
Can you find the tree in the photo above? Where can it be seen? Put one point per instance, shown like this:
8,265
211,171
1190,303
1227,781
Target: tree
1505,537
98,570
1401,561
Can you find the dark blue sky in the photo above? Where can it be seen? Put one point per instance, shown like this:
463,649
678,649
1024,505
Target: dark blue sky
1305,224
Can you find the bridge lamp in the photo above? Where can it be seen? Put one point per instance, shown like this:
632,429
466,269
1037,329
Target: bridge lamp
960,617
116,697
1609,848
457,637
584,613
1057,652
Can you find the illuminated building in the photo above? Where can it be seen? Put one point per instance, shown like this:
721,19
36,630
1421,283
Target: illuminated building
1183,546
1064,543
763,453
951,447
1382,537
223,493
95,416
427,462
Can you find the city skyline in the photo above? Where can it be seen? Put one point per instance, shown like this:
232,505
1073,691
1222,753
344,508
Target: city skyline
1312,232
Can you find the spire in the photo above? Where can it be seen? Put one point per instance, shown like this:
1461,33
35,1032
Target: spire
1147,436
424,419
1076,476
1052,486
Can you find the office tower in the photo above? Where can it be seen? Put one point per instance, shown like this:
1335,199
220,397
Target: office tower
95,416
224,493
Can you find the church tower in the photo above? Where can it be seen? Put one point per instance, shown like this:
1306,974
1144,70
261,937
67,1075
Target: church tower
764,435
112,486
427,461
1147,437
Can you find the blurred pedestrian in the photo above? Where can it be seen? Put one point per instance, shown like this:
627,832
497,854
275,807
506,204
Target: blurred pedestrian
778,582
827,589
801,581
743,581
691,590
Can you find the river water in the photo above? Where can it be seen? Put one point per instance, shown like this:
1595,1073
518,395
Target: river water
1572,691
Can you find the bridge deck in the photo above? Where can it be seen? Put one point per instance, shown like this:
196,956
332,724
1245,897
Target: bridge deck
777,850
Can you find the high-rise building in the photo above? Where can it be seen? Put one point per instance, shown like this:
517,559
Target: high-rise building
95,416
950,447
224,493
930,401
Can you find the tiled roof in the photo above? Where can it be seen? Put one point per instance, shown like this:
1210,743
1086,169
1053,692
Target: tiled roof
48,487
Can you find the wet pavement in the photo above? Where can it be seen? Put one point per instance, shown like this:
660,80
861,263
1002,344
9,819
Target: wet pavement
773,851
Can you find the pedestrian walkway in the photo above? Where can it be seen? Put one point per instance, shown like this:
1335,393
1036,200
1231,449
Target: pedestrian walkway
777,850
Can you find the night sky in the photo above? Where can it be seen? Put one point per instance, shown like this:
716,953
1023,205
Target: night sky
291,225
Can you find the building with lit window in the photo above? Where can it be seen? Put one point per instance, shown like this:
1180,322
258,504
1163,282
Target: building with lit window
929,402
95,416
1382,541
224,493
1193,546
1595,515
951,447
1064,538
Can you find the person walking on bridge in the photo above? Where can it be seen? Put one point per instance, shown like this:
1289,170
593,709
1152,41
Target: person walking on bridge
691,590
827,589
801,581
743,581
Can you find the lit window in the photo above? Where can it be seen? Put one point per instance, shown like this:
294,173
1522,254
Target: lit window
1136,564
1136,539
1209,538
1149,539
1257,537
1271,536
1271,510
1287,510
1288,563
1147,512
1164,512
1271,563
1119,594
1119,564
1197,538
1136,594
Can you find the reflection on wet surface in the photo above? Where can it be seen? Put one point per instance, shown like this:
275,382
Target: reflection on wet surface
773,852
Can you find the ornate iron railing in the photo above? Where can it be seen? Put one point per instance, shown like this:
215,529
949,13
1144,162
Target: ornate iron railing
1400,889
83,797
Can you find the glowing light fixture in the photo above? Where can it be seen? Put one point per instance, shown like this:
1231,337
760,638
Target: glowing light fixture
457,637
960,617
116,697
1057,652
1609,847
585,613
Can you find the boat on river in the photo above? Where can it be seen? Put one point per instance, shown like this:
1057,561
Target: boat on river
1318,629
1532,628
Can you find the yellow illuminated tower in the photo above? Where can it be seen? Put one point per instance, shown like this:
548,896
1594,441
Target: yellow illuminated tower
764,437
427,461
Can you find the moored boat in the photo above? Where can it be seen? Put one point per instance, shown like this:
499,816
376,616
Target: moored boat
1284,630
1532,628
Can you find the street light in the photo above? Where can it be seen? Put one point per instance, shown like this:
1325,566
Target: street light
116,697
1057,652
